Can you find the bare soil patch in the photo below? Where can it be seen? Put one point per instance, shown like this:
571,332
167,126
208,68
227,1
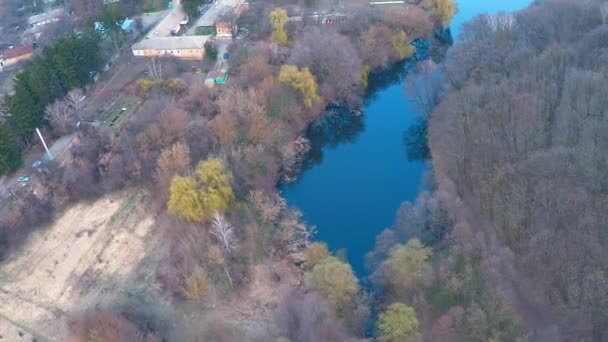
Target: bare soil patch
61,269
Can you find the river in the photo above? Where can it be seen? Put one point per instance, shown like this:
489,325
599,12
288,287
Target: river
357,174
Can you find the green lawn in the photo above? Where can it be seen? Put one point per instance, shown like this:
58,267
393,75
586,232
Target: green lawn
205,30
121,109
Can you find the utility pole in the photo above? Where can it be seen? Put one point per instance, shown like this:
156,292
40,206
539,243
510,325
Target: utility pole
44,144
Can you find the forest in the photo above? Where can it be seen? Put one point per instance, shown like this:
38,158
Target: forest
519,137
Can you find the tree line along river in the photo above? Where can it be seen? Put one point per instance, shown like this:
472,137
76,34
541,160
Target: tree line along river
357,173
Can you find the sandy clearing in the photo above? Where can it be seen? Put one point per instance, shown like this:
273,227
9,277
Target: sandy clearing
10,331
65,267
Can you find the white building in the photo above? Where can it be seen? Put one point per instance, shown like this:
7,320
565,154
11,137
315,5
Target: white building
42,19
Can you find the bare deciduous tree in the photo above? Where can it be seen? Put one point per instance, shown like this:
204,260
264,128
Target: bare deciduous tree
425,86
519,135
306,317
61,116
155,69
174,160
415,21
500,21
65,112
229,17
269,206
75,99
604,12
376,46
224,233
337,66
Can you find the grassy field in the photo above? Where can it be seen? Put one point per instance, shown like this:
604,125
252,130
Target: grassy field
205,30
122,108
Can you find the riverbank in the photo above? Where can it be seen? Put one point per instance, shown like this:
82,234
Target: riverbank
349,181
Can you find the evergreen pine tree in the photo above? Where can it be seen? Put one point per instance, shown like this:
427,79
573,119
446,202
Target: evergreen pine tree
10,156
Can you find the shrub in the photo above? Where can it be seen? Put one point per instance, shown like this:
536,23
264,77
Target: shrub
306,317
269,207
143,86
174,87
195,286
103,326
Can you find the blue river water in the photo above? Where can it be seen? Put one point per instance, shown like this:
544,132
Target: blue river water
357,179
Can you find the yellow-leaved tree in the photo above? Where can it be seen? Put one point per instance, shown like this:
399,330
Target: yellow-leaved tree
443,10
195,199
335,279
216,186
314,254
302,80
398,324
407,267
277,19
401,46
365,76
184,200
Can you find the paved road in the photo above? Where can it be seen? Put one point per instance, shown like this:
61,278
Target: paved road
168,23
148,20
208,18
10,184
222,47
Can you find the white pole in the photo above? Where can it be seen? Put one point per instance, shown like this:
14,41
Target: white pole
44,144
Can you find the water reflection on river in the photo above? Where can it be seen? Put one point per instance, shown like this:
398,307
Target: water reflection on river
357,173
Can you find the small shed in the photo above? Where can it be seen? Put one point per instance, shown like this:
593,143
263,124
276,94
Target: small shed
221,77
216,77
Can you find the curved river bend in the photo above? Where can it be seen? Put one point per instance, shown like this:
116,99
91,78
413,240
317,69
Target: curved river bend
358,174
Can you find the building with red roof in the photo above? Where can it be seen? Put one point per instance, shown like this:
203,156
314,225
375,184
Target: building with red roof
16,55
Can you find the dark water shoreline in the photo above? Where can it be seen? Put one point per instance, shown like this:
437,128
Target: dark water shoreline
357,172
341,124
340,127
